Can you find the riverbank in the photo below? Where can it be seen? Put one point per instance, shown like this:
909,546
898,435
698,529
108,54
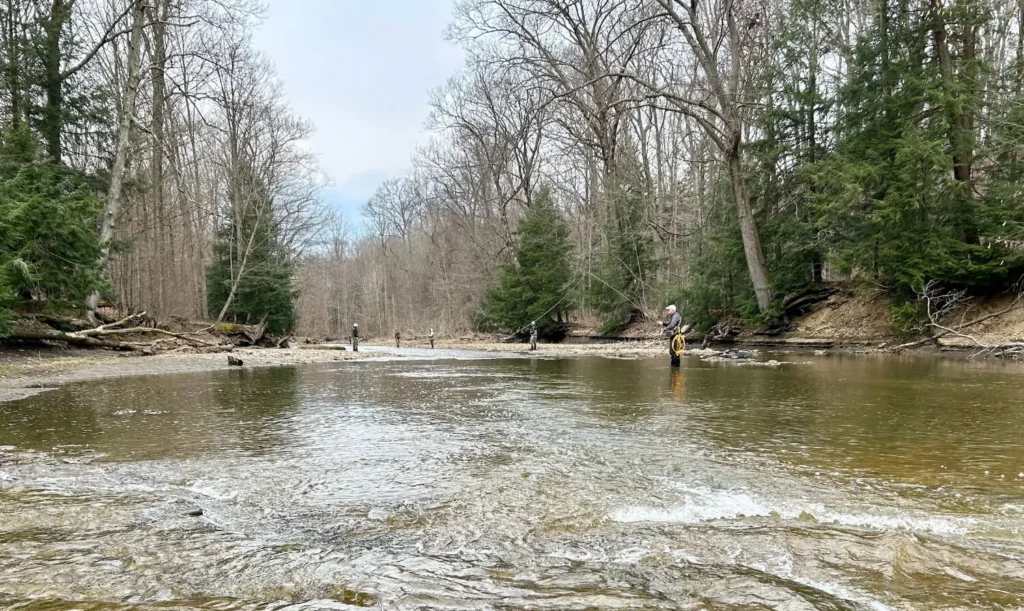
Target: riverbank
856,319
27,371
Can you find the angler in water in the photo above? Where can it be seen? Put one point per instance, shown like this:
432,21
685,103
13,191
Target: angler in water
674,330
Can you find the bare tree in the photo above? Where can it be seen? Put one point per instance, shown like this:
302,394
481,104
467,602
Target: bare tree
125,123
718,35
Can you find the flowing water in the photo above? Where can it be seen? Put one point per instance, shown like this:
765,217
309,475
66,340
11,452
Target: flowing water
459,481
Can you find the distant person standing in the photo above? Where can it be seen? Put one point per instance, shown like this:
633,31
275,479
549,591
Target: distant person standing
355,337
431,338
533,335
398,339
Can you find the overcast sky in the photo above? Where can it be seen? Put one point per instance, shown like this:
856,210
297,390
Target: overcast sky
361,70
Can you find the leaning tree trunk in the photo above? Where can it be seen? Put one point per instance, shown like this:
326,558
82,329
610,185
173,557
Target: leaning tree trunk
726,88
748,229
112,204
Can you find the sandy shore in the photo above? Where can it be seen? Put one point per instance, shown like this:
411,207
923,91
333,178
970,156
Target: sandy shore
28,371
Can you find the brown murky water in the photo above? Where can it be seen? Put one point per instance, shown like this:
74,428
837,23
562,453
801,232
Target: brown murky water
511,483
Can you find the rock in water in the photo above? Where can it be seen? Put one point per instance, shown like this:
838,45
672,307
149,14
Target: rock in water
234,361
737,354
195,513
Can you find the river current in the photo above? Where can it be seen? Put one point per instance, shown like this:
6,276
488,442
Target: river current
452,480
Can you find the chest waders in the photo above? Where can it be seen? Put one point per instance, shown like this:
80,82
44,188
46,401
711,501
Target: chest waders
676,347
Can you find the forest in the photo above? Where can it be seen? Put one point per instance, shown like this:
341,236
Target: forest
596,157
149,161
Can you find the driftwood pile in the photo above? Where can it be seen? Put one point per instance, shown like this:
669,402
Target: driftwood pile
143,334
949,314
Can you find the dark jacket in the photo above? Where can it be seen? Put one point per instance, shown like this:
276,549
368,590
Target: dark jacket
673,323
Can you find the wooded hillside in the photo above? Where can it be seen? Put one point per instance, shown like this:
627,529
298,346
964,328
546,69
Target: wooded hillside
148,158
719,154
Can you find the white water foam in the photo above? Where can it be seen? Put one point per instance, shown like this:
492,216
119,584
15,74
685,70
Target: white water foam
703,504
213,493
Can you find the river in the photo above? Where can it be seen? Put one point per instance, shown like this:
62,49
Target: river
453,480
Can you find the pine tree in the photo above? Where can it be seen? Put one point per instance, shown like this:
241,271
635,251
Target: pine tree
893,198
619,288
534,286
265,290
49,249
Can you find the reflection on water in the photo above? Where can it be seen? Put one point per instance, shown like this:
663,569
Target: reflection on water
677,382
521,483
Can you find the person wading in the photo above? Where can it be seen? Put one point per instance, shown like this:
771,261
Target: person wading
431,338
398,339
533,335
355,337
673,328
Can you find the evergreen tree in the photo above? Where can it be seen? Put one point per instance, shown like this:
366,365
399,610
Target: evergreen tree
894,197
49,249
534,286
626,270
263,276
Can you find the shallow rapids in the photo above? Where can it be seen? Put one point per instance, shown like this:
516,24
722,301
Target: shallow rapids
459,481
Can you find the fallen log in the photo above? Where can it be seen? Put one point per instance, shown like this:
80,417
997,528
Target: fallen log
76,340
102,336
97,332
113,325
243,335
62,323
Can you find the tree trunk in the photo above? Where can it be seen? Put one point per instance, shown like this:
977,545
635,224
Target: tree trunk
751,239
14,46
961,117
1018,85
112,205
53,80
158,15
726,87
238,277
